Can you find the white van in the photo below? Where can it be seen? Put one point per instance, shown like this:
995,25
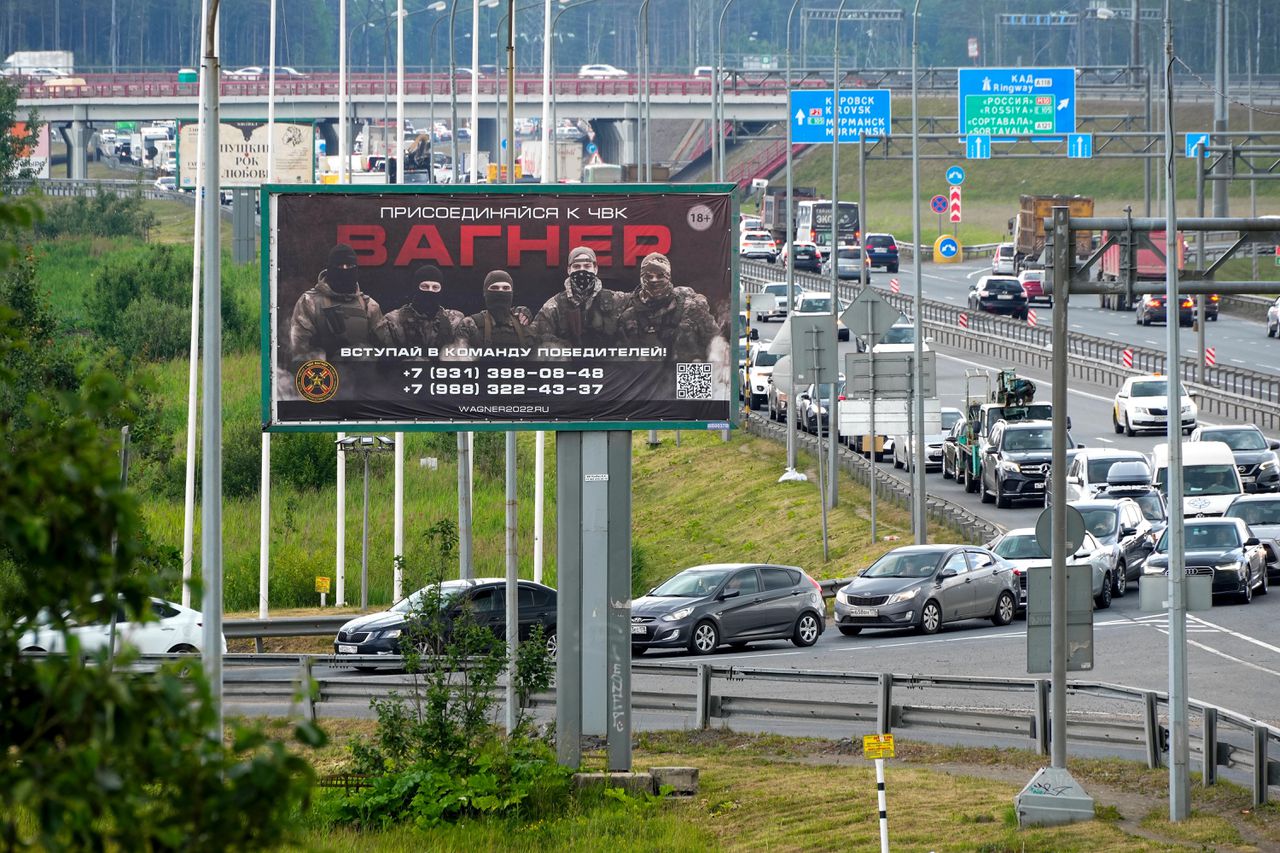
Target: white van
1210,481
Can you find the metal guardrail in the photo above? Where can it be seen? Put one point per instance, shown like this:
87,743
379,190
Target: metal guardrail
1229,392
1223,738
65,187
287,626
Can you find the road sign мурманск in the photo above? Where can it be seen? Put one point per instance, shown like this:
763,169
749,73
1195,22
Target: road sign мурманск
862,112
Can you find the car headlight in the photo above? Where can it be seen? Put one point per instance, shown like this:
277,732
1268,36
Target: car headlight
677,615
1229,566
390,634
1186,410
1011,467
905,595
842,597
1268,465
1140,410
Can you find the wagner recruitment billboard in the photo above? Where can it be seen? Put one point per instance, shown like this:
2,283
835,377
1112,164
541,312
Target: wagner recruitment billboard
242,153
505,306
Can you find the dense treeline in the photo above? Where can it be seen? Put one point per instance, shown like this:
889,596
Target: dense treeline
159,34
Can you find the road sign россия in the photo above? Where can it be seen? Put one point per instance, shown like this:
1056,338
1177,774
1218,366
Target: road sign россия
1005,102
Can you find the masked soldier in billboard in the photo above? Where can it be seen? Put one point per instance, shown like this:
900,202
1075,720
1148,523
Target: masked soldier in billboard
585,313
663,315
423,321
500,324
334,313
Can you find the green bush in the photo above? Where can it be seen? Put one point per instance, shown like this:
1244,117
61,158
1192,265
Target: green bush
304,460
103,214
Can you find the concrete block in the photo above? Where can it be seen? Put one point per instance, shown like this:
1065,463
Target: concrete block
682,780
632,783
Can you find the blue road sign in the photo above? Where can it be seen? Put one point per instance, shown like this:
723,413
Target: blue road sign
863,112
938,203
591,148
1195,141
977,147
947,247
955,175
1012,102
1079,146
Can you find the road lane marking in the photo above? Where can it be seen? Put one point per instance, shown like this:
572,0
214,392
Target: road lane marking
1236,634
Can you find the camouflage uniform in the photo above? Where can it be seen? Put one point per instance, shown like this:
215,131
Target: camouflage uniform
405,327
324,321
561,322
485,329
683,324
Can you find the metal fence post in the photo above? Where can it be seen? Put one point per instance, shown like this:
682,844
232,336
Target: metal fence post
884,709
1260,765
1209,747
702,710
1151,727
305,701
1042,716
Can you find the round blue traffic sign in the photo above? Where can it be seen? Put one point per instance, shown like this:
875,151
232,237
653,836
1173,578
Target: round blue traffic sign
938,204
947,247
955,176
592,148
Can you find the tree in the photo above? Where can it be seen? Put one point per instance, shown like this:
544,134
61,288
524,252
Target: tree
15,141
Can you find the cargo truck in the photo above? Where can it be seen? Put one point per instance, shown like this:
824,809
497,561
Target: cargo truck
773,210
1028,227
1150,266
56,63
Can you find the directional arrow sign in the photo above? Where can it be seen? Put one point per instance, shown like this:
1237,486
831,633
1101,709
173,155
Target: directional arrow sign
953,204
861,112
1010,102
955,175
1079,146
1195,141
977,147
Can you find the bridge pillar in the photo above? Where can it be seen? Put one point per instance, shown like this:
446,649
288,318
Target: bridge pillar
328,130
77,136
616,140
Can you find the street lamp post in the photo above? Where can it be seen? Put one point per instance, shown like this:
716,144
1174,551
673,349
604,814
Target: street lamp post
365,445
644,82
717,102
790,473
555,160
917,475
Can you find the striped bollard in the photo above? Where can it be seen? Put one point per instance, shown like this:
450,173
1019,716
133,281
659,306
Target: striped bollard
1126,358
963,320
1031,316
1210,357
880,747
894,286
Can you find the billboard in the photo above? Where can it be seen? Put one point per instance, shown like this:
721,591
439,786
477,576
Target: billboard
242,151
38,159
498,307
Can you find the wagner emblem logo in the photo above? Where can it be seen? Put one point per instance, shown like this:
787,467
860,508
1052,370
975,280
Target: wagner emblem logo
317,381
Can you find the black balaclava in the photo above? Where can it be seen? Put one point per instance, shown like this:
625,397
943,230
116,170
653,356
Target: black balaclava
498,301
341,280
426,302
654,295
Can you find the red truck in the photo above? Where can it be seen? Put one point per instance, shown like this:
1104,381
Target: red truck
1151,267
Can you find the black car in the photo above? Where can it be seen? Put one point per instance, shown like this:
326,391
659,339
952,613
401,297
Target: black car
999,294
1224,548
882,251
485,598
1016,461
1255,454
1152,310
805,256
1120,522
703,607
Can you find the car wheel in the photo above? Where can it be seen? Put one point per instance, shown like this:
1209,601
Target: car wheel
930,617
893,268
1271,331
638,651
986,496
1120,583
1247,595
970,485
1262,585
184,649
849,630
1188,430
553,645
1103,599
1006,608
1146,321
1116,423
704,639
946,475
1128,426
897,463
807,630
1002,500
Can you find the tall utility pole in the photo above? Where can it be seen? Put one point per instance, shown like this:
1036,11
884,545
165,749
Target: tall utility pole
1220,188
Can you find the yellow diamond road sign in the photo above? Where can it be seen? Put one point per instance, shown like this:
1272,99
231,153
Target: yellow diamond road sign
877,746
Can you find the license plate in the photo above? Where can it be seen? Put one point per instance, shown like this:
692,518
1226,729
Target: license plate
862,611
346,650
1005,296
1039,485
639,629
1246,479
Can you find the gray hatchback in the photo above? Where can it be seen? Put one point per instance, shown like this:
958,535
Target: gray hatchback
925,586
704,607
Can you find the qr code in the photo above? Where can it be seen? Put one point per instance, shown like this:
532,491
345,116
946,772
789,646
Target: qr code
693,381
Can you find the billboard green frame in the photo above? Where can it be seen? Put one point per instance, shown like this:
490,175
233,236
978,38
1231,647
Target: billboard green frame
735,288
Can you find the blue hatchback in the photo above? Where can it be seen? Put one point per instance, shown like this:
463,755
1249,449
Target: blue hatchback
882,251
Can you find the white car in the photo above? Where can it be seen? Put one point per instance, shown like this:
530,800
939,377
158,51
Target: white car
1142,404
758,245
600,71
904,451
755,379
166,183
1273,319
1087,473
901,337
815,302
1002,260
771,302
1019,547
173,629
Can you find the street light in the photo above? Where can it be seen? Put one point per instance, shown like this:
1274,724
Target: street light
717,103
790,473
555,160
453,84
365,445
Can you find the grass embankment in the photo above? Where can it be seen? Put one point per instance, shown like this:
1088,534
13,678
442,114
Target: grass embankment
764,792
